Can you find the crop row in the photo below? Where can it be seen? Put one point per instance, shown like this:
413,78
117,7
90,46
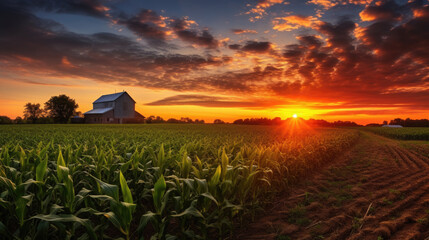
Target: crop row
110,182
409,133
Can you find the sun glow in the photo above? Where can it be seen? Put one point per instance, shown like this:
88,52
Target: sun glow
294,116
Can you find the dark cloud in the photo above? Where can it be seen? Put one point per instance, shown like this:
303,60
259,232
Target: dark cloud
256,47
147,24
211,101
253,47
201,38
381,63
234,46
87,7
31,44
382,11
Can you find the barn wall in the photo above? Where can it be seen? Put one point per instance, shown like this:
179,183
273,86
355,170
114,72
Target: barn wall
103,105
124,107
100,118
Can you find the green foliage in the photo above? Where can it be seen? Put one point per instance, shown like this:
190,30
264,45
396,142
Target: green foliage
406,133
149,181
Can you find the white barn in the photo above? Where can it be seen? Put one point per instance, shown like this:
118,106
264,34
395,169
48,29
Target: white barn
392,126
113,108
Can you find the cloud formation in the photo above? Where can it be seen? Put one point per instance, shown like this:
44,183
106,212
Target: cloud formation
147,24
377,63
259,9
327,4
182,27
213,101
253,47
292,22
86,7
242,31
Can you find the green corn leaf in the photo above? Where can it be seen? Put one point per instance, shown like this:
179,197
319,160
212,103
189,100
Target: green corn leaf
216,176
144,220
159,190
68,218
225,162
41,169
60,163
126,193
190,211
20,208
210,196
113,218
109,189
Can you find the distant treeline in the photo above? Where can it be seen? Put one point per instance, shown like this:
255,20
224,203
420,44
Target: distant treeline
403,122
158,119
310,122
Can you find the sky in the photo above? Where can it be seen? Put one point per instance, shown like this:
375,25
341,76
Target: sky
360,60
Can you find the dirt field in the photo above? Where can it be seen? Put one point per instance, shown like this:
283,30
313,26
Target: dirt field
377,190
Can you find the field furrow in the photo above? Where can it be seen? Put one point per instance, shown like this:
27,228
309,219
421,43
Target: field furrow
379,190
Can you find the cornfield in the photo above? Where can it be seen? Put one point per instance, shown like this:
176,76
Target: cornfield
149,181
408,133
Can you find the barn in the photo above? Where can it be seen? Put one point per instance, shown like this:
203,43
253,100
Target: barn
113,108
392,126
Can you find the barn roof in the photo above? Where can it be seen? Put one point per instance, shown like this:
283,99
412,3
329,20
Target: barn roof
98,111
111,97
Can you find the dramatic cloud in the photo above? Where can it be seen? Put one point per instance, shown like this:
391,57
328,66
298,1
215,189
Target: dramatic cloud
260,8
241,31
387,10
346,64
182,27
253,47
33,45
212,101
292,22
86,7
327,4
147,24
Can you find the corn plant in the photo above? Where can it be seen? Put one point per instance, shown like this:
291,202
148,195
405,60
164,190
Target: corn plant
149,181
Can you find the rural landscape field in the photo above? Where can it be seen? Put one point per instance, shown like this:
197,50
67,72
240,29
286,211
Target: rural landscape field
214,119
211,182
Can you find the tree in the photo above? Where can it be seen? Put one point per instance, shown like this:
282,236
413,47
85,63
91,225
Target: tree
218,121
61,108
5,120
32,112
19,120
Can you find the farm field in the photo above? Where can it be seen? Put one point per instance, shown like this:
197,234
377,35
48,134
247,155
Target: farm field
379,189
151,181
409,133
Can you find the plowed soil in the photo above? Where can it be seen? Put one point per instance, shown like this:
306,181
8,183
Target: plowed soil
377,190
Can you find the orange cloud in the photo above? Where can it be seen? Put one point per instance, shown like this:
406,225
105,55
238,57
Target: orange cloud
259,9
65,61
294,22
327,4
241,31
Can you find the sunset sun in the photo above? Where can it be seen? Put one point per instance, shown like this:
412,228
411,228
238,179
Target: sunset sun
295,116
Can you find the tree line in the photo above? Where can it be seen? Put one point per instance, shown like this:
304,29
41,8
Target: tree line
58,109
310,122
408,122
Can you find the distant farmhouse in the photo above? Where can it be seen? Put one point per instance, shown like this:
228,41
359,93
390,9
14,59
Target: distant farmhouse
113,108
392,126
